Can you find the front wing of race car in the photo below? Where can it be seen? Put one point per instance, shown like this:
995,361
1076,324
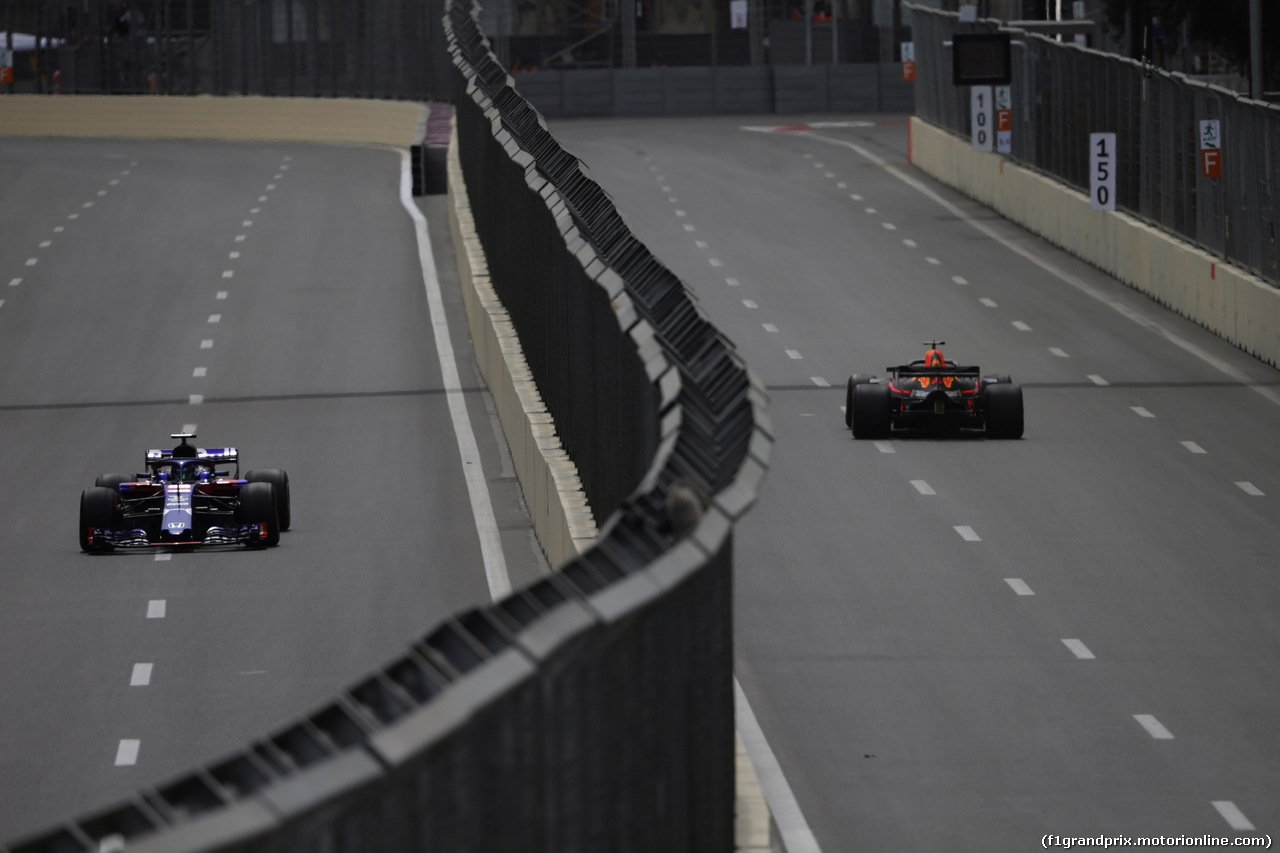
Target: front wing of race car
157,514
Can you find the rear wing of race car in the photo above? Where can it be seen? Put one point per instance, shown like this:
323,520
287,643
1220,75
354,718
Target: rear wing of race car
956,370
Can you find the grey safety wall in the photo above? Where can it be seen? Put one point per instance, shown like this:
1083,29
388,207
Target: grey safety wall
593,709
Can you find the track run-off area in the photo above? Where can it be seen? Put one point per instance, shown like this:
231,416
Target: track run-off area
268,297
961,643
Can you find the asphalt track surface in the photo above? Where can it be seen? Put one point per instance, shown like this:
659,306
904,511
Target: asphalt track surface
298,265
966,644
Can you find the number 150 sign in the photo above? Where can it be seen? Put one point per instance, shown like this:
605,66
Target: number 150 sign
1102,171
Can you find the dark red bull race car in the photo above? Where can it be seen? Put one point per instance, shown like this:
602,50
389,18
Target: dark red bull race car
936,395
183,499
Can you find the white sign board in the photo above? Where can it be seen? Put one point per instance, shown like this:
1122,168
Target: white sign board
6,58
968,14
980,118
1077,9
1210,134
908,51
738,14
1102,171
1004,125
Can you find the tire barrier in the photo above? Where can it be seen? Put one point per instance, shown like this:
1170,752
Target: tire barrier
592,709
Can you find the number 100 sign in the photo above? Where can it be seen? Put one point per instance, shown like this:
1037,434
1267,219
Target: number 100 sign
1102,171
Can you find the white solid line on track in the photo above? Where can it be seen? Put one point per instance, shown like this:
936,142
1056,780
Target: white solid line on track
923,488
221,294
1059,352
819,381
732,282
15,282
1250,489
207,343
882,446
959,279
967,534
749,303
141,676
1141,412
215,318
495,562
1097,380
127,752
910,244
716,262
792,353
1193,447
195,399
1153,727
1078,649
769,327
1021,326
156,608
165,556
200,371
1053,269
797,837
934,261
1019,586
990,303
1233,816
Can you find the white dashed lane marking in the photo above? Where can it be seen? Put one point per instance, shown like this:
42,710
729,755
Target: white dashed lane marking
87,204
1153,727
910,244
749,303
215,318
228,273
239,238
102,192
141,676
1097,380
922,487
235,255
1233,816
934,261
248,223
207,343
58,229
967,534
127,753
771,328
701,244
222,294
1193,447
44,244
959,279
842,186
31,262
1250,489
200,371
113,182
871,210
990,303
165,556
889,226
732,282
1021,326
855,196
74,216
883,446
156,608
716,262
792,353
1078,649
189,428
681,213
689,227
1059,352
1019,586
1141,412
15,282
195,399
819,381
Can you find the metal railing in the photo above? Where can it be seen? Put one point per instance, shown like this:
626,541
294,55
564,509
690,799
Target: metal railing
593,709
1062,92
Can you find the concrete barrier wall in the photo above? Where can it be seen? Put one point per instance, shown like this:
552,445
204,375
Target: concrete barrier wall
552,490
339,120
1239,307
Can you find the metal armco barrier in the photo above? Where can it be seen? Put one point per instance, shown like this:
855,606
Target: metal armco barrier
1061,93
592,710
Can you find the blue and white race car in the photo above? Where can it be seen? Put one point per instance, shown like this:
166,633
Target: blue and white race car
183,499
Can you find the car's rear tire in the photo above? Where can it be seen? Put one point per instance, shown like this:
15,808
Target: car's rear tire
994,378
111,481
1004,411
99,509
871,404
259,505
279,478
855,379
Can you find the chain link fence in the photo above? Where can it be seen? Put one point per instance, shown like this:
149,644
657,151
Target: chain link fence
320,48
1060,93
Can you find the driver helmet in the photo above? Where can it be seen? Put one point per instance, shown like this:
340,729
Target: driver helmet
933,358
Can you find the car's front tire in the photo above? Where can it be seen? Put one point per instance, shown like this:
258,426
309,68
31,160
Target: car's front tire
871,411
259,505
279,478
99,507
1004,411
